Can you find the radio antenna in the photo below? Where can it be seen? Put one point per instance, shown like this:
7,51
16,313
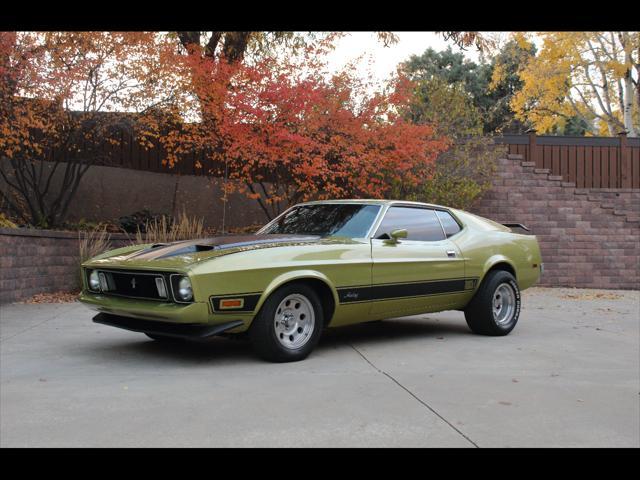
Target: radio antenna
224,197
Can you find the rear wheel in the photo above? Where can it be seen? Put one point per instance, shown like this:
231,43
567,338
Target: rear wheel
495,308
288,325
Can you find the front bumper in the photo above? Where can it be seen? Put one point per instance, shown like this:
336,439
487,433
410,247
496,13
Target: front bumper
196,313
180,330
191,313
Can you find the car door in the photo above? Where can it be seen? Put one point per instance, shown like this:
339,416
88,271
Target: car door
422,273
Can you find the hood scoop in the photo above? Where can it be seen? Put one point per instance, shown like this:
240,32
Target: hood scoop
187,250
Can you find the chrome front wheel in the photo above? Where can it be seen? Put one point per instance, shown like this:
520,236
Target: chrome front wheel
294,321
289,324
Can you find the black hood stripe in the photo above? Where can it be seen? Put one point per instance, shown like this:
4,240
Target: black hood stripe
227,242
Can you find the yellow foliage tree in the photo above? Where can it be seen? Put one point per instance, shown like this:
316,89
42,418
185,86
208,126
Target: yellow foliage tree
590,75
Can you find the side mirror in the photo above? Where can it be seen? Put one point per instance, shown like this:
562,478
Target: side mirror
396,235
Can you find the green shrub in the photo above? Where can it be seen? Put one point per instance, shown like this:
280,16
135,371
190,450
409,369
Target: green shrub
459,176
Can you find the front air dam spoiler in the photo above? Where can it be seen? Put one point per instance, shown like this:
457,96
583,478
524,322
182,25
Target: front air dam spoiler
181,330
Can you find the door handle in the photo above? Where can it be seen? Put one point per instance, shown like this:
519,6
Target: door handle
451,253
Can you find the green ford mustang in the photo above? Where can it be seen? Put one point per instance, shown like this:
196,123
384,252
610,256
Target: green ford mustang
319,264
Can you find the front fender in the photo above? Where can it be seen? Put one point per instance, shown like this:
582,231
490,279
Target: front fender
291,276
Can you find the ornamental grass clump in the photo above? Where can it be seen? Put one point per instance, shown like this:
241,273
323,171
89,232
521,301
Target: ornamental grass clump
5,222
91,243
166,230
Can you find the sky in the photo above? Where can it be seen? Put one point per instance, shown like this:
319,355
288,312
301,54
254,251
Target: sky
378,62
384,60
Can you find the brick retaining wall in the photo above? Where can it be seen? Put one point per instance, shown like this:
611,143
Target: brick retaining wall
38,261
589,238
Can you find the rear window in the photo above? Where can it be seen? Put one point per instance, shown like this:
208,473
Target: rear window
449,224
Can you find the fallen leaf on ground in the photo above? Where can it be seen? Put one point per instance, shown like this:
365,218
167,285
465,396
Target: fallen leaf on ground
55,297
592,296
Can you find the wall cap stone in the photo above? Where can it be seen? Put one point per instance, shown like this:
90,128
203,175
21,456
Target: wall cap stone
34,232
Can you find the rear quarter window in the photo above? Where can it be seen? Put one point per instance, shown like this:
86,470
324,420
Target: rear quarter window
449,224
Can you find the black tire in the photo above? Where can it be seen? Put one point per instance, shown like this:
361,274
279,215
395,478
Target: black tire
164,338
479,313
263,334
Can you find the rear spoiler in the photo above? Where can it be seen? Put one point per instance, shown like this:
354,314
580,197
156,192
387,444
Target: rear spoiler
516,225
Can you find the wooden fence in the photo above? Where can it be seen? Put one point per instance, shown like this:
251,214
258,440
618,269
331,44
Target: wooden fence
126,152
589,162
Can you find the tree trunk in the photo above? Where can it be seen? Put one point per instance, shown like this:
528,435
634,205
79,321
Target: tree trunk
628,104
629,92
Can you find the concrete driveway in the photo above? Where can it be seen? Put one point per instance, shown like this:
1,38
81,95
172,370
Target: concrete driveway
568,375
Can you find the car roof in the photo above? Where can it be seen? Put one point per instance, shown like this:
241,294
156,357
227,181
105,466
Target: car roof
374,201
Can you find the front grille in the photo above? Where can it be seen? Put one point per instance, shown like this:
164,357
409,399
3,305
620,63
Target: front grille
134,284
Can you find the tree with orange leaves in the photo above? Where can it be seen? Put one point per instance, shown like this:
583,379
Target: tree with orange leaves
280,128
283,131
63,96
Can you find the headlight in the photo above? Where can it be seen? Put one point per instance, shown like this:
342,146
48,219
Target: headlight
185,293
94,280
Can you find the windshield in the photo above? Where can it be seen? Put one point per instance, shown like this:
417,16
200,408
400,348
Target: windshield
327,220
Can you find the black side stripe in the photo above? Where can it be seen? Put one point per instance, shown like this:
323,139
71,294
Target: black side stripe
363,293
402,290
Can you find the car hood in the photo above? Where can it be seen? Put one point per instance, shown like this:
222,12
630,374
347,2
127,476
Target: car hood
184,253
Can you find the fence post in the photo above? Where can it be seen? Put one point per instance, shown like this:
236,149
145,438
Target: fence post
625,164
533,149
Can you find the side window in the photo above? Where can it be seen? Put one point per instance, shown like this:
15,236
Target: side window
421,224
450,226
